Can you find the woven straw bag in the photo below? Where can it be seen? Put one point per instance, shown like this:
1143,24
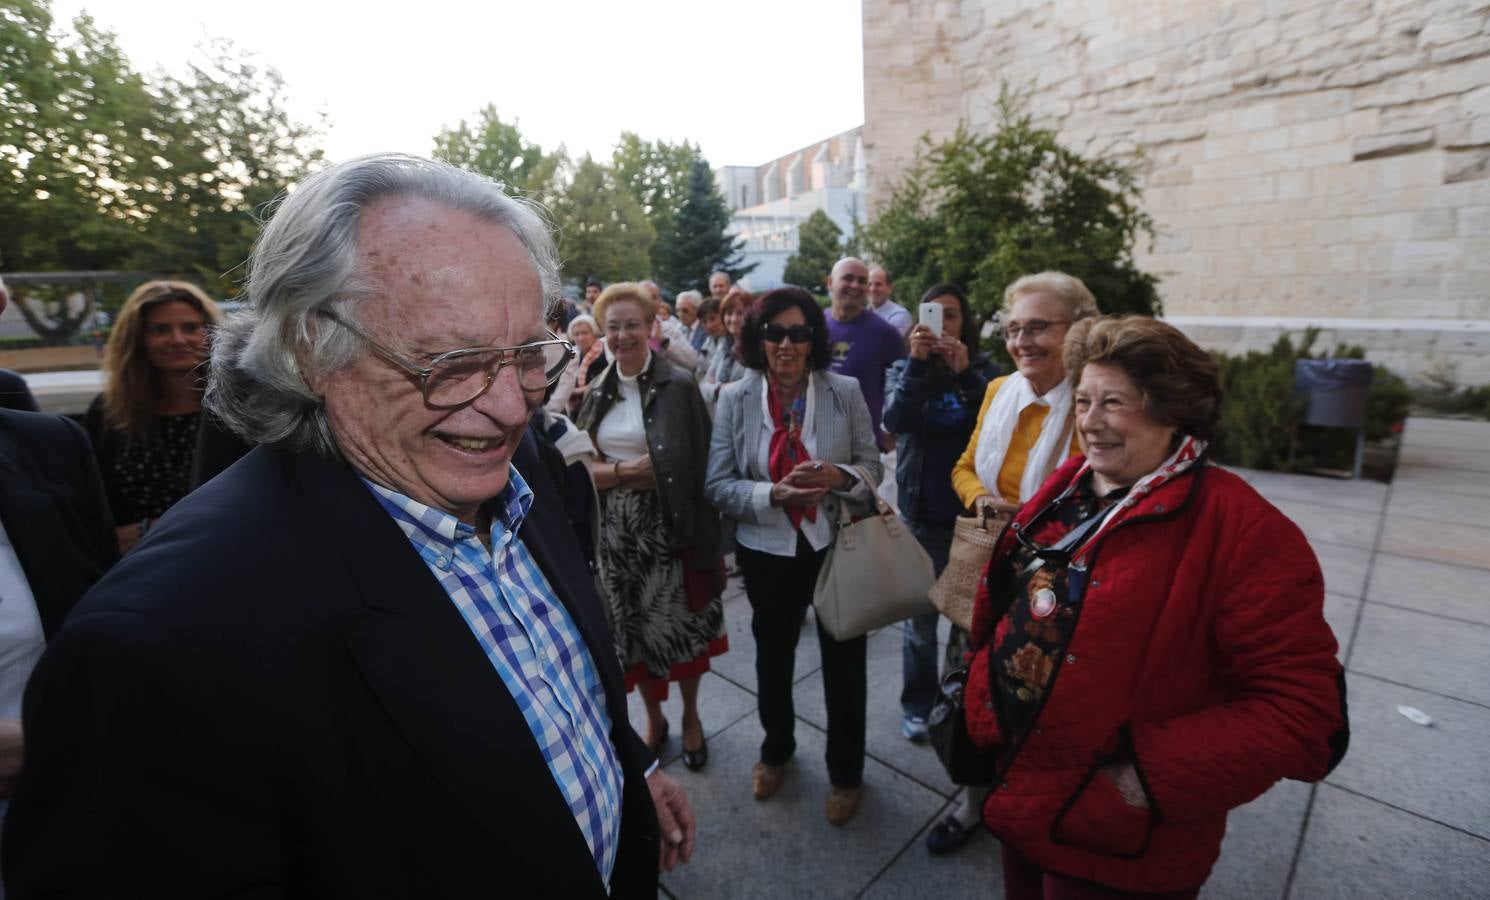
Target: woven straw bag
973,539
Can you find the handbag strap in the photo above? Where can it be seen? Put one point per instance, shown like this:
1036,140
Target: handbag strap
880,506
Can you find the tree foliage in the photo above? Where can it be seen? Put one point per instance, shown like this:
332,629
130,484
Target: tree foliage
698,242
499,151
104,168
819,246
981,210
602,230
656,173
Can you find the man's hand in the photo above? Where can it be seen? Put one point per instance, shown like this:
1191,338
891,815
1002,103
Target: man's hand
675,817
12,751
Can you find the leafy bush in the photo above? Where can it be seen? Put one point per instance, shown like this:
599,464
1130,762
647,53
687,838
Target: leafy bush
1262,415
982,210
1442,394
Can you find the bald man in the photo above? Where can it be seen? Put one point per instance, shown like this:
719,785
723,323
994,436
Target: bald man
863,346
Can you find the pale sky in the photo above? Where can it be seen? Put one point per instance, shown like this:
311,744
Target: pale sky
748,81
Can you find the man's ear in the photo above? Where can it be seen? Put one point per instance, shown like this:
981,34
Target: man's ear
315,380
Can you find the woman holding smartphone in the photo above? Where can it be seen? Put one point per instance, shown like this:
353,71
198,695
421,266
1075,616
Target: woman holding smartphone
931,406
1025,429
792,442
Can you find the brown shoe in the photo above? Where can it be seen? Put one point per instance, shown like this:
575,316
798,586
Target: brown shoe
842,804
766,780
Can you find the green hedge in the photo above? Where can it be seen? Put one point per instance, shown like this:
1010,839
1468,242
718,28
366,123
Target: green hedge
1262,416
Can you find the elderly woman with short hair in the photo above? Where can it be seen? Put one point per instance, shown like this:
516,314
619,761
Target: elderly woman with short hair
1151,649
792,443
659,539
1023,431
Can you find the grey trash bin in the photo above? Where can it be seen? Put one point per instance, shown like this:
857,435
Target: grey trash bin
1337,391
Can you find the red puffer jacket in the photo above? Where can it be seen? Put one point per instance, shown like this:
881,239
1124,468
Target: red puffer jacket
1200,655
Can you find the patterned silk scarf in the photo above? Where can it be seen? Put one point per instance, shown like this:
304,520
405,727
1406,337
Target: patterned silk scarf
787,449
1183,458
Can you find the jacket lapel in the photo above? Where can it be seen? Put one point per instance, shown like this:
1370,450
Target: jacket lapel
751,398
435,682
830,426
42,541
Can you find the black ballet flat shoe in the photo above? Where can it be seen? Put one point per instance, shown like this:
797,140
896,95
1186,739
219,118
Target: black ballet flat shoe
697,759
655,748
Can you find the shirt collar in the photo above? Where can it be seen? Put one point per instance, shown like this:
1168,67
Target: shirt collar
424,525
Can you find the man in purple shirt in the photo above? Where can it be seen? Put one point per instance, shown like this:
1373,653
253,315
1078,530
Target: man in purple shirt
863,346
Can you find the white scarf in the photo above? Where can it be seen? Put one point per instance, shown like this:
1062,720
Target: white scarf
999,422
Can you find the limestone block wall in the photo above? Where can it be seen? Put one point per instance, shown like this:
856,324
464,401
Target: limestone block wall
1325,159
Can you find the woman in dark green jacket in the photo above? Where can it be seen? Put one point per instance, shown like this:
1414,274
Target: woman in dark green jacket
659,539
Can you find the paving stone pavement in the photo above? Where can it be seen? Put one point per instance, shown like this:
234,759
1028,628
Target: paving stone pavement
1407,814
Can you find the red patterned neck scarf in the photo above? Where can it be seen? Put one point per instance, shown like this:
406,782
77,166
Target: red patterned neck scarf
1187,455
787,448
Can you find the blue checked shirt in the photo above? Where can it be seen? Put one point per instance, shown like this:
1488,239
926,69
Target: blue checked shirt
534,646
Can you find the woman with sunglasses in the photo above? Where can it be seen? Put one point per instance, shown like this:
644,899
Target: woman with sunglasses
1024,430
1151,643
145,424
792,442
659,549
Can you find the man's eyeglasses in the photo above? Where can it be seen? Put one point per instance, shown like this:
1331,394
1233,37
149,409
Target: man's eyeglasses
460,376
776,333
1034,328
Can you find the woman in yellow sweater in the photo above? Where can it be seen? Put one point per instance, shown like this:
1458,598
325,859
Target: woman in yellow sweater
1024,432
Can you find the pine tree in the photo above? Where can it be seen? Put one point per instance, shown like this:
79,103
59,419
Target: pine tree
696,243
819,246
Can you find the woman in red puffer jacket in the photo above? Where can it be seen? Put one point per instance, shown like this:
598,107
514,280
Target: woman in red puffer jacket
1151,649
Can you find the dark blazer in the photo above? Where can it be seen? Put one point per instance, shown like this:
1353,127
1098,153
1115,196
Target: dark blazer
15,393
53,507
272,696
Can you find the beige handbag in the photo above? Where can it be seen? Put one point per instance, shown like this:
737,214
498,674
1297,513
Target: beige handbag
973,539
876,573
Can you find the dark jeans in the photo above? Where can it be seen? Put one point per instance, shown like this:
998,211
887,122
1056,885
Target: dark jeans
1023,880
780,589
918,649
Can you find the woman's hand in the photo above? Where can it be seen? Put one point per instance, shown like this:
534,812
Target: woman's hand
1125,778
954,352
923,342
784,493
818,474
637,473
128,536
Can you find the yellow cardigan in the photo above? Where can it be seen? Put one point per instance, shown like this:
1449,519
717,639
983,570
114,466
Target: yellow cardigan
965,480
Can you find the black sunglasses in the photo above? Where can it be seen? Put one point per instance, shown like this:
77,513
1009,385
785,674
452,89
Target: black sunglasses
776,333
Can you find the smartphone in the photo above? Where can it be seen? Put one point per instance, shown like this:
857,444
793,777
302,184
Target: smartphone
931,317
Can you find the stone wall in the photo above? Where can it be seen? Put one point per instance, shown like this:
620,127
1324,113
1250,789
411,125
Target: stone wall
1329,160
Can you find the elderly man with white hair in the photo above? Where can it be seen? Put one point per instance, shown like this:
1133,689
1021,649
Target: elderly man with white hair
367,660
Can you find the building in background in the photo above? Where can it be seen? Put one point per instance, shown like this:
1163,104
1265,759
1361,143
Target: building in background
771,201
1321,164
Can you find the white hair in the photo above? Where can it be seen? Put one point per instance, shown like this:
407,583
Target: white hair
582,319
694,297
305,261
